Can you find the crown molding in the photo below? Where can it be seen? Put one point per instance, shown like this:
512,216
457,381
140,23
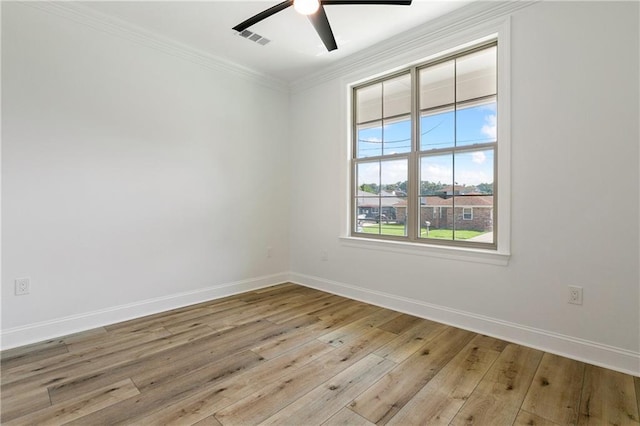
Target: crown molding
137,35
432,33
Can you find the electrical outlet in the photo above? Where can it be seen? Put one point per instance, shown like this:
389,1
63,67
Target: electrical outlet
269,252
575,295
324,255
23,286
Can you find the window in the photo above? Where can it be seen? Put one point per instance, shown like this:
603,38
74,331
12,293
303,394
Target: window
425,152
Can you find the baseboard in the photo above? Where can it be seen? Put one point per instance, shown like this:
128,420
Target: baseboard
48,330
594,353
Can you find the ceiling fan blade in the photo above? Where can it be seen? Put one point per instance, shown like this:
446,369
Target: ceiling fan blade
380,2
263,15
321,24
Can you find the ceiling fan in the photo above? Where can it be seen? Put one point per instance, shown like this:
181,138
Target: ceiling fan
314,9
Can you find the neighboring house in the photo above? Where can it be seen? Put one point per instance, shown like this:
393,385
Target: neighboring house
376,206
472,211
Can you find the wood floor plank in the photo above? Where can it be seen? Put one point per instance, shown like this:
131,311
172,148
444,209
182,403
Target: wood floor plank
438,402
160,367
157,320
15,405
384,399
410,341
324,401
555,391
295,337
529,419
269,293
325,312
13,358
80,406
319,302
113,341
271,398
490,342
112,345
179,388
250,313
349,313
208,421
206,402
59,375
346,417
343,334
499,395
401,323
608,397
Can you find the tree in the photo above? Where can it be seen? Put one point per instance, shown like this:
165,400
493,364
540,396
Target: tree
485,188
371,188
430,188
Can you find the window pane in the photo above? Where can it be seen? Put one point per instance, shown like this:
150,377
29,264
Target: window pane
437,129
368,178
476,123
473,198
436,196
367,214
393,174
392,220
436,85
369,143
436,174
369,103
476,75
397,136
397,96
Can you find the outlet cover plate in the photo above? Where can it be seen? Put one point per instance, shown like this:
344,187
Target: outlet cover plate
575,295
23,286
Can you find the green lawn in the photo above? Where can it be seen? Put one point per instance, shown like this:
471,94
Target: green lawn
398,229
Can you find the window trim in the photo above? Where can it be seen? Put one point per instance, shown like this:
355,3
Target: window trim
413,226
399,58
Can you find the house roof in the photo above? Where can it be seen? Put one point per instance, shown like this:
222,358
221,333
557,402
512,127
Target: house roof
384,199
460,201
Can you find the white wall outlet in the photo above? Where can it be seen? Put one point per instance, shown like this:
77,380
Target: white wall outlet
23,286
575,295
324,255
269,251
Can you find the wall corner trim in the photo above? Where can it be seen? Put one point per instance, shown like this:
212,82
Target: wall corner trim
614,358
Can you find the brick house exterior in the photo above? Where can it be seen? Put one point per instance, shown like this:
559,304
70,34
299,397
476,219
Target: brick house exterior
472,212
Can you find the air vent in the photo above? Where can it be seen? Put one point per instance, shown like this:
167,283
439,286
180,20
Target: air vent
255,37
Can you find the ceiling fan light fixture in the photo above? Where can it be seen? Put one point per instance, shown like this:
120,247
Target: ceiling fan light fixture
306,7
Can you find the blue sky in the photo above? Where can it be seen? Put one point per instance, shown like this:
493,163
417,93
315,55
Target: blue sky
476,124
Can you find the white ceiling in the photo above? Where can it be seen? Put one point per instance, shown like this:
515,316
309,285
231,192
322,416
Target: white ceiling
295,49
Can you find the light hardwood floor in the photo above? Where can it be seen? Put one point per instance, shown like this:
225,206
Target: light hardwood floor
297,356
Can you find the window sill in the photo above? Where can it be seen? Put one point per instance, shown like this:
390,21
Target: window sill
490,257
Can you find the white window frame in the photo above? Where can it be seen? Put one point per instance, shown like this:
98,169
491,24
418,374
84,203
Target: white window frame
464,213
399,58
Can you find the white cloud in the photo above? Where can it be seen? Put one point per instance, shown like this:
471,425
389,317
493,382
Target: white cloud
490,129
392,172
437,173
371,140
473,177
478,157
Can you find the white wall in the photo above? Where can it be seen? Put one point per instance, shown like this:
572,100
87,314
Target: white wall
574,198
132,180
